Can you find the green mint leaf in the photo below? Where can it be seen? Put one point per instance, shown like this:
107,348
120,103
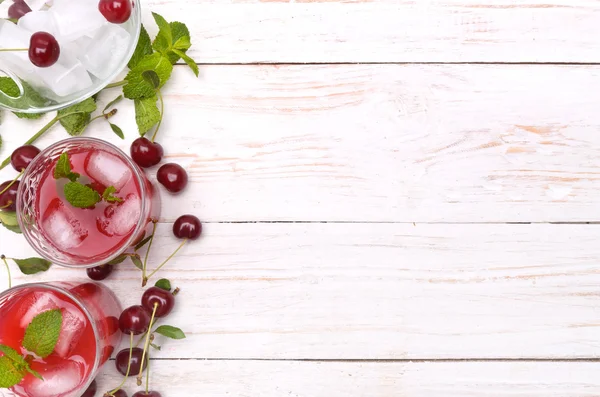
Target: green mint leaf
170,332
9,218
10,374
34,265
163,283
137,87
81,196
137,261
119,259
63,169
164,38
190,62
41,335
141,244
109,195
34,373
112,103
143,48
151,77
76,118
30,116
117,130
12,354
30,98
14,229
146,114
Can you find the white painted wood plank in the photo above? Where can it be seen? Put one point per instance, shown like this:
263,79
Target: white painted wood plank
391,143
378,291
367,379
250,31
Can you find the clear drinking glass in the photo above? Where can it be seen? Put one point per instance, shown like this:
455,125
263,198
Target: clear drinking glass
89,334
93,53
76,237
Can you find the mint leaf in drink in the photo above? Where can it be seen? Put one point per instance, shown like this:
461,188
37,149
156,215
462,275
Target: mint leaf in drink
12,354
76,118
146,113
63,169
109,195
143,48
10,373
170,332
41,335
81,196
137,87
34,265
163,283
190,62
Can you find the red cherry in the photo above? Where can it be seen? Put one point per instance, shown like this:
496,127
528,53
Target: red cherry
18,9
164,299
134,319
115,11
120,392
99,273
149,394
91,391
43,49
173,177
122,360
145,153
8,199
187,226
23,156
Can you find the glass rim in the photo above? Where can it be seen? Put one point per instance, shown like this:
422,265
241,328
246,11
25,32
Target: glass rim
137,14
141,223
80,305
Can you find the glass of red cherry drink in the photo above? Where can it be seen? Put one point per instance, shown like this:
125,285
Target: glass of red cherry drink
89,333
85,237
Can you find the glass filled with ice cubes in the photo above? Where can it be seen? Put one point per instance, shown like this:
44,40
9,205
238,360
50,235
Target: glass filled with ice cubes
85,237
93,45
89,334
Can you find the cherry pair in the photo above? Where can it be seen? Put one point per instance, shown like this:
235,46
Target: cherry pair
147,154
20,159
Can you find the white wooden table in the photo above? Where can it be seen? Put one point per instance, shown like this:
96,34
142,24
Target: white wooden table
399,199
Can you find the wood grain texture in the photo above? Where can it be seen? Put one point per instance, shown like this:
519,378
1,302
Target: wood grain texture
388,143
376,291
332,379
276,31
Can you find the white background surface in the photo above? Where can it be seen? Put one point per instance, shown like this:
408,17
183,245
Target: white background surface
396,197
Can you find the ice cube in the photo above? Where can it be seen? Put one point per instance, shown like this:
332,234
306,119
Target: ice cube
65,77
61,226
39,21
106,50
76,18
107,169
36,5
60,380
73,321
13,36
120,219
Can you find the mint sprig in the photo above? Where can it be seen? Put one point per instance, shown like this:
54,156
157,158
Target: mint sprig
41,337
109,195
63,169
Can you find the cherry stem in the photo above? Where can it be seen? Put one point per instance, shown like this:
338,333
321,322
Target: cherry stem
41,132
7,270
12,183
162,111
147,344
144,278
13,49
167,260
112,392
116,84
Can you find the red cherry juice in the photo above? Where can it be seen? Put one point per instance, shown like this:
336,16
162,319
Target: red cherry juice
92,232
72,364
